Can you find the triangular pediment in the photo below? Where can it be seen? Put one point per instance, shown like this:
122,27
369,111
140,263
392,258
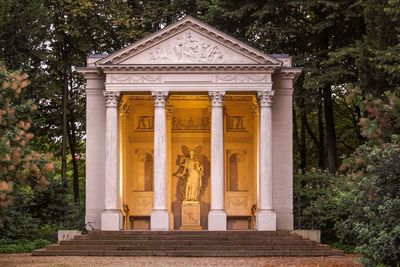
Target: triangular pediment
188,41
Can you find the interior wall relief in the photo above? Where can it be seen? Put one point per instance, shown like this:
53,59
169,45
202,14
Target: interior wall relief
235,124
144,123
190,124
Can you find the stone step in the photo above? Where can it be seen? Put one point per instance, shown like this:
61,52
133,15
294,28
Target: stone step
187,237
186,253
185,242
191,233
188,243
183,247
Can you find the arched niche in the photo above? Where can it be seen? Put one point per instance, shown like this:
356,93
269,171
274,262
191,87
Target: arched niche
144,177
236,171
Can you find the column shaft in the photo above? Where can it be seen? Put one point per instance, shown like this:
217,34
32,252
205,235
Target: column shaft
266,217
159,216
217,215
160,161
111,217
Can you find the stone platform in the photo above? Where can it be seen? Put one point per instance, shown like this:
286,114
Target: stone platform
188,244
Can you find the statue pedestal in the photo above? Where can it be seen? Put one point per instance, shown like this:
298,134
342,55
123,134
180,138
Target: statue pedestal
191,215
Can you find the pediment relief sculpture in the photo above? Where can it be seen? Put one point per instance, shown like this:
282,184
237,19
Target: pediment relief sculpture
187,48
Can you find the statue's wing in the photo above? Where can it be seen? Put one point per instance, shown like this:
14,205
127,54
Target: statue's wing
197,151
185,150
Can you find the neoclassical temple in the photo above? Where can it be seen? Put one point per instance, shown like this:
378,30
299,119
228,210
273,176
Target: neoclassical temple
189,128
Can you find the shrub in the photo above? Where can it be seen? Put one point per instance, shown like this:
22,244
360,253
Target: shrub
374,218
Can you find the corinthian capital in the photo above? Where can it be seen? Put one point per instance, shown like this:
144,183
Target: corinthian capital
112,98
265,98
160,98
216,98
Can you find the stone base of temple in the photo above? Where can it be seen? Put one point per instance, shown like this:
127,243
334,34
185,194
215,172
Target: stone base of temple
111,221
266,220
217,220
159,220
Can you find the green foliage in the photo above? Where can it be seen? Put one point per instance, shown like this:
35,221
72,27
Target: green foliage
360,207
374,210
22,245
342,246
321,202
40,214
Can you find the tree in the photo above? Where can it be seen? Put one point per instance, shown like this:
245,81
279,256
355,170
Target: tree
19,164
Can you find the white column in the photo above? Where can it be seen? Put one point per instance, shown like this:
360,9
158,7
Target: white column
266,217
111,218
217,214
159,217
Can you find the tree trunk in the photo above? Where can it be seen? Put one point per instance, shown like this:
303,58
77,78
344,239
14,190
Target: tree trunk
73,147
296,132
321,148
303,151
64,128
330,129
75,159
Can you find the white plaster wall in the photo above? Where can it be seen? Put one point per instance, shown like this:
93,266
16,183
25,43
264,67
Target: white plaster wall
95,150
282,153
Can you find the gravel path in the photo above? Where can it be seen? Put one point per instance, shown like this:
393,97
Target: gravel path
25,260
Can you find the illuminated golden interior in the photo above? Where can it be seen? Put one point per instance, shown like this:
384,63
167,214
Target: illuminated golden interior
188,128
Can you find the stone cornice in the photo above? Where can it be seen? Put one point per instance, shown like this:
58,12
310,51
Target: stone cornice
191,68
289,73
90,72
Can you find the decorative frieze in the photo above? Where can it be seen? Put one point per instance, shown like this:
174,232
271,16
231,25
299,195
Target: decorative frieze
133,78
112,98
265,98
235,78
216,98
160,98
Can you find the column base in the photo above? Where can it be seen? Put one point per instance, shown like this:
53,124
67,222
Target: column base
111,221
217,220
159,220
266,220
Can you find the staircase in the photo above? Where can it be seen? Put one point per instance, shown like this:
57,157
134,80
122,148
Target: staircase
188,244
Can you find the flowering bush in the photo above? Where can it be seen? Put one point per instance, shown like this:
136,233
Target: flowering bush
19,164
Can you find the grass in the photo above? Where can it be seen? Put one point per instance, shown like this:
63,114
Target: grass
21,245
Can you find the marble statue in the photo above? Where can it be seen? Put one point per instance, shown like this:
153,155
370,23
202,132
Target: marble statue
192,174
